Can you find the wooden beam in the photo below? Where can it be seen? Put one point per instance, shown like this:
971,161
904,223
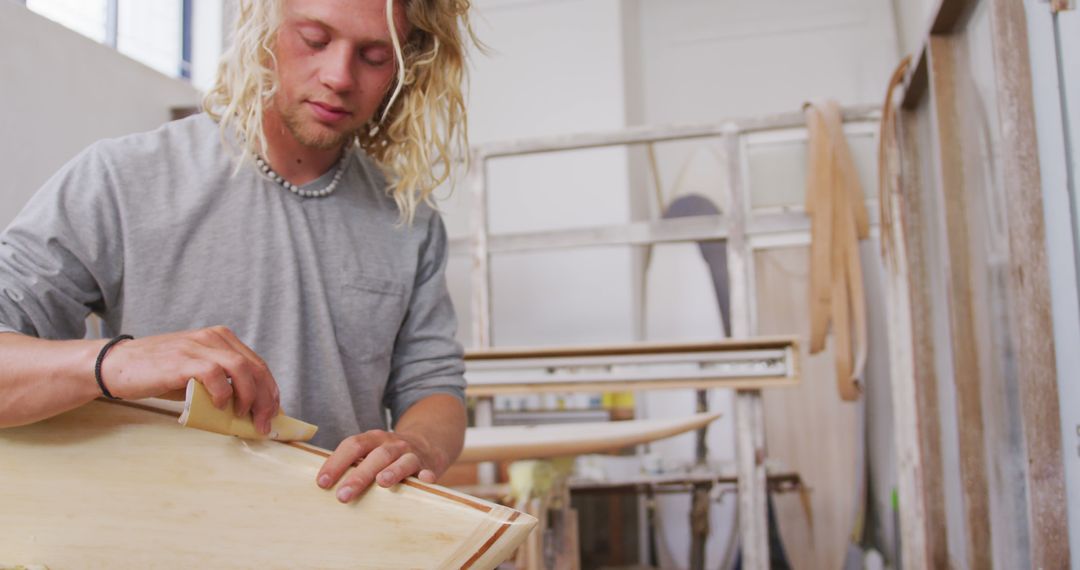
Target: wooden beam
950,15
946,18
481,264
480,278
749,408
648,133
725,345
946,119
1029,290
792,221
914,379
739,383
917,81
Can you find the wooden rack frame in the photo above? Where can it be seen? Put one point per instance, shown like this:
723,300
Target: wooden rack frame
741,365
1007,431
739,225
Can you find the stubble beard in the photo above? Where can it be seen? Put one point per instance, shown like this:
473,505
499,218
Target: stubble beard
315,135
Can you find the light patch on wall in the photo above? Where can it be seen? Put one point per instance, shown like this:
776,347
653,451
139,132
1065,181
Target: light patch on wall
712,21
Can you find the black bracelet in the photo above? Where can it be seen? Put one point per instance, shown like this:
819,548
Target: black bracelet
101,357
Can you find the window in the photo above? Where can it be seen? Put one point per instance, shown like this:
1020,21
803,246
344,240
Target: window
154,32
88,17
150,31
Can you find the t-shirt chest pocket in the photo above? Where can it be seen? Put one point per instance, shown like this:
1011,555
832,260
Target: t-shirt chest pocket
367,316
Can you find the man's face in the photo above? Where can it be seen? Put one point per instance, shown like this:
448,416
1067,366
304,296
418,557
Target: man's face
335,65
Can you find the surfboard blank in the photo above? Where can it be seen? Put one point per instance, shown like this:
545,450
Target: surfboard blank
510,443
124,486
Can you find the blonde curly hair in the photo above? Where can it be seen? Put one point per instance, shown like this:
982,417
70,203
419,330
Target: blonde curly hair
417,131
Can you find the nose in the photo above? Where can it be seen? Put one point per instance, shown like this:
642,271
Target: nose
336,69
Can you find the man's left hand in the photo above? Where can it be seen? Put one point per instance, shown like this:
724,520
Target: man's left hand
380,457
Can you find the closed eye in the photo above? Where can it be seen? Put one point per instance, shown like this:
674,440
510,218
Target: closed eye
376,56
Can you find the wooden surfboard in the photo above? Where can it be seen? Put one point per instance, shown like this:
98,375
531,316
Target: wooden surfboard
511,443
123,485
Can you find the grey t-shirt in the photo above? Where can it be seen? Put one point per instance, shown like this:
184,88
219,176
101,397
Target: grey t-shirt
155,233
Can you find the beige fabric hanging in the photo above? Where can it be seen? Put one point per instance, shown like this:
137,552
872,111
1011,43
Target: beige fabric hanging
838,220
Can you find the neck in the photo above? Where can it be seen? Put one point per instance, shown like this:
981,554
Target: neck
294,161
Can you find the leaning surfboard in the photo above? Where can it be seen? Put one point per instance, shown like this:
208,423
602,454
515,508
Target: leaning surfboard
122,485
511,443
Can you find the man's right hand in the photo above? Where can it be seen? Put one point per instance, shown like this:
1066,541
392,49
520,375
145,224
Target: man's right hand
154,366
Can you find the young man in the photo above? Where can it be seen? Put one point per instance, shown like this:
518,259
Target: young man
278,248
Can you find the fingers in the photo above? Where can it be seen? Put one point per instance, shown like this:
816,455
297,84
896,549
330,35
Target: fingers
266,399
405,465
348,452
212,376
387,463
254,389
360,478
427,476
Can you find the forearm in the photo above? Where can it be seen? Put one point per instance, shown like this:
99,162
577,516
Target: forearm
42,378
439,421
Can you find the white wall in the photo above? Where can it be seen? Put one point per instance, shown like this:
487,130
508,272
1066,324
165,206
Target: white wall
62,91
554,68
912,22
708,60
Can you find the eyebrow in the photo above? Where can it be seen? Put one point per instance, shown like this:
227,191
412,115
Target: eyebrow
304,19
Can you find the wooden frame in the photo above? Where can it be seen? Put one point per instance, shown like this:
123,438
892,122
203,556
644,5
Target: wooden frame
754,364
946,117
1009,439
736,227
750,426
917,423
122,485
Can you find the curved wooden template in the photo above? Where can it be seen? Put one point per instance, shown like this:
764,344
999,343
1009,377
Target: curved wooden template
122,485
512,443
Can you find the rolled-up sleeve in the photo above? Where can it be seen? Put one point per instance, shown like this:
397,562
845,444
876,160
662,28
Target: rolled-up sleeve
60,258
427,358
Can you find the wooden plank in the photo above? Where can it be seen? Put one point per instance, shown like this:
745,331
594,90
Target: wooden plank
480,276
950,15
753,363
945,117
648,133
700,383
764,226
749,417
914,379
1029,292
513,443
917,82
634,233
511,353
112,485
481,265
946,18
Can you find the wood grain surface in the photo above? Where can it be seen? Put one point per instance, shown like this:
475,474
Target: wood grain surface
122,485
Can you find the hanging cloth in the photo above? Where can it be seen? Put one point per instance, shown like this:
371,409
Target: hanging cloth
838,220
